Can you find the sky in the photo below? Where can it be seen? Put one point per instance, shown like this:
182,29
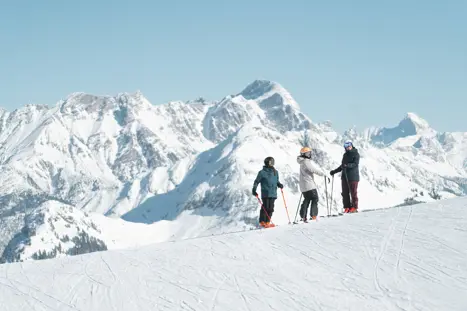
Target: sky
355,63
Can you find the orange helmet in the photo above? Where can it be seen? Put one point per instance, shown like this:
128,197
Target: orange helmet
305,150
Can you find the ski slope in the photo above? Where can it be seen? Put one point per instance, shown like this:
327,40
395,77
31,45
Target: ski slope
406,258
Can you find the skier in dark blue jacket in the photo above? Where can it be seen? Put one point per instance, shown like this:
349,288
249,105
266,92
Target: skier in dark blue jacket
268,177
350,177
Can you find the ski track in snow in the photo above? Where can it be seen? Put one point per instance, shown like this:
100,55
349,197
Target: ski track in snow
406,258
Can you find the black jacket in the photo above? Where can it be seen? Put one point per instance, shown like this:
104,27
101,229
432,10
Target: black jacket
349,166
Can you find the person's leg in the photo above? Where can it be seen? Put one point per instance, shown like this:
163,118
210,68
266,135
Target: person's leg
269,205
262,215
305,203
354,193
314,203
270,209
345,194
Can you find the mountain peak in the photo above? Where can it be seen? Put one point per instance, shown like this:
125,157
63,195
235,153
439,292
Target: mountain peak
410,125
260,90
418,122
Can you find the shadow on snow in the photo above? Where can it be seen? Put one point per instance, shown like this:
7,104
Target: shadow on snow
202,192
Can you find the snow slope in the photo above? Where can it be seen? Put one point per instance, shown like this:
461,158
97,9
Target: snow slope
406,258
184,169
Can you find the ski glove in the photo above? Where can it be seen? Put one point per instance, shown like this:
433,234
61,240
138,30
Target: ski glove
254,193
280,185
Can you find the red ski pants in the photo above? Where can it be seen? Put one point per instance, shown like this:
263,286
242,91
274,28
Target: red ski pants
349,190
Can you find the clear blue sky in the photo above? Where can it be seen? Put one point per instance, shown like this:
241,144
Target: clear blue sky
352,62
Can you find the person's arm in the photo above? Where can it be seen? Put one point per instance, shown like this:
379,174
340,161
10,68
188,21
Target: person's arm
312,169
278,181
256,182
337,170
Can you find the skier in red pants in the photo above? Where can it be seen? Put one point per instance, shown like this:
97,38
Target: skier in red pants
350,177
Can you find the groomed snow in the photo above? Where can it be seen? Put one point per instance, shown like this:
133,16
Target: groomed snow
407,258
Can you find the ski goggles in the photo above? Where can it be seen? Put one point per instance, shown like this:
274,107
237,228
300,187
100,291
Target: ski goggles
347,145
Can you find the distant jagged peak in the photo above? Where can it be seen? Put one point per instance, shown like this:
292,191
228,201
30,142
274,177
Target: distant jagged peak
136,99
25,113
259,88
77,102
419,123
353,135
199,101
410,125
262,90
325,125
26,108
88,98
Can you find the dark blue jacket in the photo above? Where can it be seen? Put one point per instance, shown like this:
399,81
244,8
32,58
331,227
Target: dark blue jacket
349,166
268,177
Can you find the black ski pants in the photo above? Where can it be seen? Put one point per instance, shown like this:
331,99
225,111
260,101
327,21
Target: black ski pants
310,196
268,204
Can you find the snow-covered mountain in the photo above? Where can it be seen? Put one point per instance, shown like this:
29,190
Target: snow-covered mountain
185,169
411,126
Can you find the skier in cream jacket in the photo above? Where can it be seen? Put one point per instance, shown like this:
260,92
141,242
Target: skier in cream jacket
307,184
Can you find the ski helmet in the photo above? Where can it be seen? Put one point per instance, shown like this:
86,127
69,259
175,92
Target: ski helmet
269,161
305,150
347,144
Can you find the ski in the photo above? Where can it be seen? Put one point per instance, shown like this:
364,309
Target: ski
262,228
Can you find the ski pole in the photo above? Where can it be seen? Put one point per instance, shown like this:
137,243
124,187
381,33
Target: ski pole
285,205
264,209
332,190
326,190
295,220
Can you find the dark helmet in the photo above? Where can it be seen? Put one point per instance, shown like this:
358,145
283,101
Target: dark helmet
269,161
